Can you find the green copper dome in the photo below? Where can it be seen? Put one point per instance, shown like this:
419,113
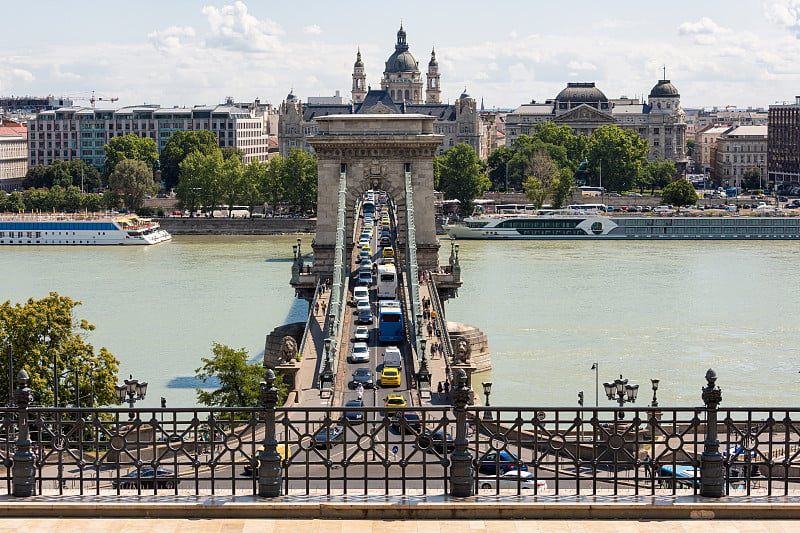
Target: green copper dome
401,60
664,88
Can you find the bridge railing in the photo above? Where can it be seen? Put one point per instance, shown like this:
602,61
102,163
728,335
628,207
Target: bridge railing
429,450
441,322
412,279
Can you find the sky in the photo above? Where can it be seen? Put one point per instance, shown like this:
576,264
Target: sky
179,52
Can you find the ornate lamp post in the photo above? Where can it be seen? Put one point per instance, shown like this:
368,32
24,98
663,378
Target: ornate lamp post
655,388
424,376
487,391
462,473
622,392
131,392
269,460
712,480
23,472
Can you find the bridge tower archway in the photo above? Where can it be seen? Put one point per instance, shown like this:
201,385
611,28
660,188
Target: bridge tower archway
375,152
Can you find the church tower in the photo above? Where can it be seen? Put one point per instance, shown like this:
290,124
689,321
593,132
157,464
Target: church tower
433,94
359,90
401,78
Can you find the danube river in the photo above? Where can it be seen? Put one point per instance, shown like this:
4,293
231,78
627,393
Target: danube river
666,310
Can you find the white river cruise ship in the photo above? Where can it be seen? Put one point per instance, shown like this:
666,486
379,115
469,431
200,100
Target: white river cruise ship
79,230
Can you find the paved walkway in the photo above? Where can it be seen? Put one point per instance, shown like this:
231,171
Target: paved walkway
69,525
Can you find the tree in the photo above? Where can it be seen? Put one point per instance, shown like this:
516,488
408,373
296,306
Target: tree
497,167
751,179
271,183
252,178
238,382
679,193
133,179
299,180
461,176
178,147
129,146
56,197
15,202
656,174
233,151
44,331
535,191
617,155
562,188
92,202
232,181
64,174
201,181
112,200
73,199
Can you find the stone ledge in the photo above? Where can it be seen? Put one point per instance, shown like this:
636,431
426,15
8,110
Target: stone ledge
406,507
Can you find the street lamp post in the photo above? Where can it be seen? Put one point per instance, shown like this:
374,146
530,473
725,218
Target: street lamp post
655,388
132,391
23,470
712,481
596,368
487,391
622,392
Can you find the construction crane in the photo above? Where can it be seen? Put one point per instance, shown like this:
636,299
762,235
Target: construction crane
94,99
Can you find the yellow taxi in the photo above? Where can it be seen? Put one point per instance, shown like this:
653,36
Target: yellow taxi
390,377
388,252
367,248
283,450
393,401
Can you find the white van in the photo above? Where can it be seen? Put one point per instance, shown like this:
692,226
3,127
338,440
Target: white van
392,357
360,294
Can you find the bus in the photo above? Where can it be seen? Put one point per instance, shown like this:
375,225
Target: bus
591,191
589,208
387,281
390,321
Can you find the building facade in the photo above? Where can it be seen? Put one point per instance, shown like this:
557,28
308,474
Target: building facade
81,133
739,149
13,155
783,146
584,108
705,147
401,92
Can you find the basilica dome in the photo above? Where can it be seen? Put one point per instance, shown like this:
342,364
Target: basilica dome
401,60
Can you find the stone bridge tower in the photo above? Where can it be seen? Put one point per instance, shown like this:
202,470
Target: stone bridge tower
374,151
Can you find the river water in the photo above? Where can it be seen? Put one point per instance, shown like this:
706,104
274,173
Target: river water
666,310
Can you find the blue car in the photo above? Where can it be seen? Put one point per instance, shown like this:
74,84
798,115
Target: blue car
502,462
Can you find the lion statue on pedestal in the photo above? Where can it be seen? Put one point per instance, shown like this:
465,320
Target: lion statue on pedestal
288,352
463,350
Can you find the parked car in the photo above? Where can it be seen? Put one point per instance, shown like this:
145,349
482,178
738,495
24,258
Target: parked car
513,479
329,436
146,477
363,376
503,462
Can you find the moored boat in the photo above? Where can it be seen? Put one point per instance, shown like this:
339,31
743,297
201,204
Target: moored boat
79,230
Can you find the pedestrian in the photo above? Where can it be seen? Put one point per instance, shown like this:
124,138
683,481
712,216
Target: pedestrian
425,314
324,305
316,308
433,315
439,390
360,390
648,465
447,388
430,330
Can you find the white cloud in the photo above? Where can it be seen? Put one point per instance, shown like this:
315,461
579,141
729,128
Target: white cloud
169,40
581,65
23,75
785,13
233,27
313,29
704,26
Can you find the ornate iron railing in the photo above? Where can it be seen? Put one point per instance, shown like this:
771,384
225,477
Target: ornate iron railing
586,451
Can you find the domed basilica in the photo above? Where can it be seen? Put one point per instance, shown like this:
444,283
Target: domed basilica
401,92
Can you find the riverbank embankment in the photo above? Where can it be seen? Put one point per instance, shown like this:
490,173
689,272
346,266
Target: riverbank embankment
237,226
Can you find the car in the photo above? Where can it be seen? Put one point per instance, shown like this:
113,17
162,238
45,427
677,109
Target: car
363,255
329,436
614,195
513,479
388,252
282,449
365,278
360,353
360,294
390,377
393,401
361,334
146,477
355,414
364,312
367,248
437,440
385,240
503,462
634,194
407,420
365,263
363,376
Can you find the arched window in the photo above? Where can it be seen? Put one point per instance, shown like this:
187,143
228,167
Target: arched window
406,94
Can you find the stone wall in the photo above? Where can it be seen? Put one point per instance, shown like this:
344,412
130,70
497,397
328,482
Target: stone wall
237,226
479,357
272,346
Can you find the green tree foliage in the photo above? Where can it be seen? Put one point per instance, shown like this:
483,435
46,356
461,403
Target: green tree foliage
92,202
73,199
547,180
253,176
55,199
751,179
129,146
201,181
238,382
535,191
564,136
497,167
233,185
64,174
271,184
112,200
15,202
621,153
133,180
44,331
178,147
656,174
35,199
562,188
679,193
232,151
299,179
690,147
461,176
